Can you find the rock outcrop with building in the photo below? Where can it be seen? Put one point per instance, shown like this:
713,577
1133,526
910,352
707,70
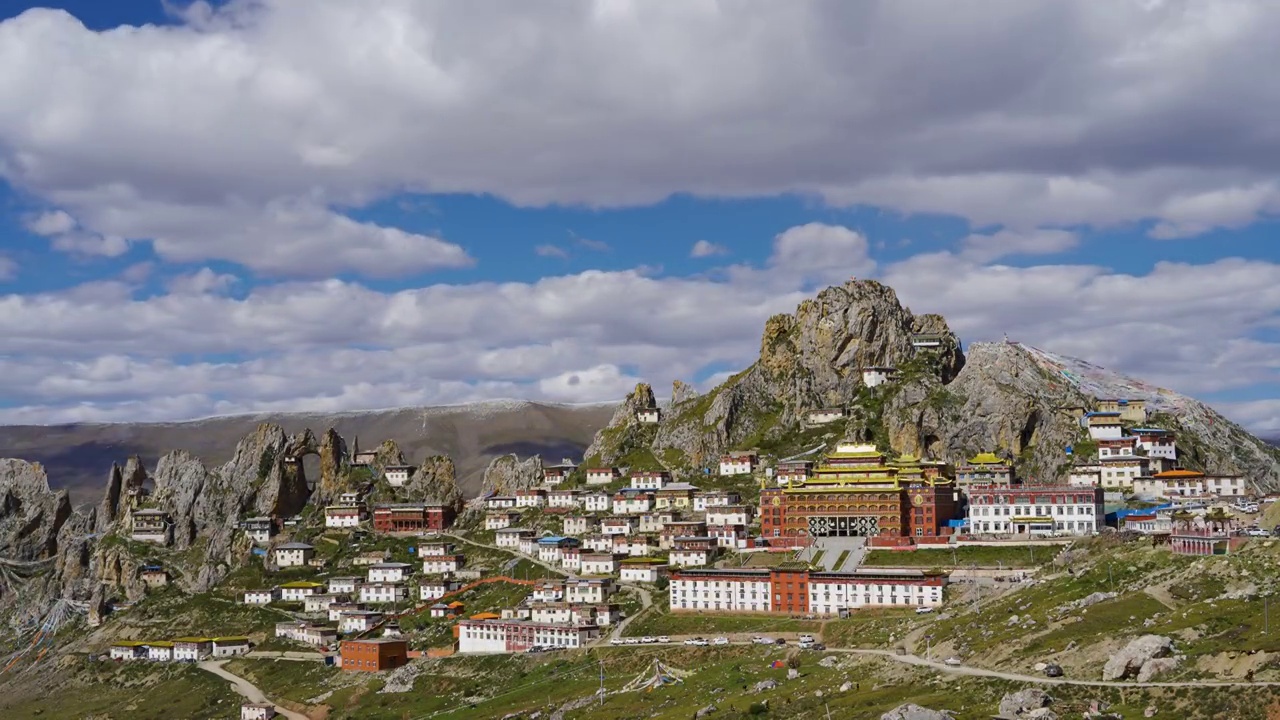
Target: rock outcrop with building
939,401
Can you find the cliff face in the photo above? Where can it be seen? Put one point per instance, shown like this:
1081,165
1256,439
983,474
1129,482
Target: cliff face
43,543
1002,397
508,473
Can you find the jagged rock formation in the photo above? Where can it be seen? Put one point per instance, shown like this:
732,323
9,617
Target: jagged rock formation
508,473
435,480
42,542
944,404
911,711
1135,657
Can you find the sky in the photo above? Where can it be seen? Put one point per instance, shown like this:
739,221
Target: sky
278,205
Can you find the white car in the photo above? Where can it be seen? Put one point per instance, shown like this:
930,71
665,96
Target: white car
953,661
617,641
923,610
664,639
806,638
648,639
633,641
805,644
720,641
700,642
692,641
762,640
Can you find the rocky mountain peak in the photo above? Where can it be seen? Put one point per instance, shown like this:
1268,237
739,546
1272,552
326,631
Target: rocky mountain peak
508,473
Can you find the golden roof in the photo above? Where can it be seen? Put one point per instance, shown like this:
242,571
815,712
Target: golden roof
986,458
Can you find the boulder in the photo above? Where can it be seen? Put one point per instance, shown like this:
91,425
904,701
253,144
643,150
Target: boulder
911,711
792,674
1021,703
829,661
1155,667
764,685
705,711
1129,661
846,687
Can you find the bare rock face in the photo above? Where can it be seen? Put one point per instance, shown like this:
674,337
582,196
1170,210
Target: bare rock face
508,473
682,392
435,480
1132,660
42,540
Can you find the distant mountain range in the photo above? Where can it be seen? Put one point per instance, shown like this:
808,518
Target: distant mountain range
78,457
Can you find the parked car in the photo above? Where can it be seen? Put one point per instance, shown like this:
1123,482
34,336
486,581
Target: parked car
664,639
617,641
953,661
805,644
762,640
633,641
720,641
806,638
1052,670
924,610
692,641
647,639
781,641
819,646
700,642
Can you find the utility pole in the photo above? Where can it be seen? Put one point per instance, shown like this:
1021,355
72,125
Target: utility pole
1266,614
602,682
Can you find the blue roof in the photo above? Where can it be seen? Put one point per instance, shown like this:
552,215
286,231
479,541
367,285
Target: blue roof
963,522
1102,414
1152,430
553,540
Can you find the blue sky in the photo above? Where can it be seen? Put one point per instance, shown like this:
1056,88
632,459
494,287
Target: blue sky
249,207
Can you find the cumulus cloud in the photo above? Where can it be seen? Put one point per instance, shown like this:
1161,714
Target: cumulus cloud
201,282
53,222
984,248
1023,114
706,248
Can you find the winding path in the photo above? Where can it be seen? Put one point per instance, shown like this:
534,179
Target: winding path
646,602
514,553
246,688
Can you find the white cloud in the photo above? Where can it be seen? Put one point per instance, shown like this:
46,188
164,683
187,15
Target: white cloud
1003,243
706,248
818,253
1024,115
201,282
8,268
554,251
53,222
588,243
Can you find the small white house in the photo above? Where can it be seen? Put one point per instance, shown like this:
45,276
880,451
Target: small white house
435,589
575,525
654,522
632,503
380,593
690,557
344,585
597,502
571,559
294,554
602,476
343,516
441,564
598,542
532,498
257,711
618,525
259,529
128,650
398,475
432,549
299,591
337,609
500,502
877,376
714,498
191,649
510,537
729,515
636,573
262,596
648,416
587,590
738,464
230,646
599,564
319,603
160,651
500,520
650,480
360,621
564,499
389,572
